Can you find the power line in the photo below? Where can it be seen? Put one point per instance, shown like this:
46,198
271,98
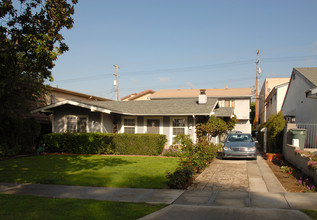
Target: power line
185,69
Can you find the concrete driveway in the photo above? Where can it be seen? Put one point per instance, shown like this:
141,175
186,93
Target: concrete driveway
238,175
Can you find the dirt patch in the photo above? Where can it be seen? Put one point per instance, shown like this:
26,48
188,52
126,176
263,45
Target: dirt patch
292,179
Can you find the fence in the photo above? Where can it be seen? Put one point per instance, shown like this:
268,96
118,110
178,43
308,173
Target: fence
311,134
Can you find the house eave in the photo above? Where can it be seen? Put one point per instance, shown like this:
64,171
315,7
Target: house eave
174,114
312,93
74,103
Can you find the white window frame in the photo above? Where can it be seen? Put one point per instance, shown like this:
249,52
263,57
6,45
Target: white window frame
222,103
171,127
153,118
123,126
76,116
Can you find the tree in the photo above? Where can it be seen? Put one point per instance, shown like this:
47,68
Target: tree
30,42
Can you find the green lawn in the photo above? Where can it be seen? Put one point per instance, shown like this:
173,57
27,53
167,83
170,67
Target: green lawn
89,170
311,213
33,207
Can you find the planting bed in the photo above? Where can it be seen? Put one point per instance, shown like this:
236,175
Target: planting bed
292,179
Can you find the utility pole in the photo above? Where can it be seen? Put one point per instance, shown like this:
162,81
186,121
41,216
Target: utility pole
117,81
256,90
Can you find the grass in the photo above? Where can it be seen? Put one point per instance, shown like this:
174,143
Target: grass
311,213
89,170
33,207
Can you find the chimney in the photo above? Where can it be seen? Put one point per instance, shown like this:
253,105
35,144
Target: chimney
202,98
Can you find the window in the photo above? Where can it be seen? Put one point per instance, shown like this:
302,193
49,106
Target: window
76,124
226,103
178,126
129,125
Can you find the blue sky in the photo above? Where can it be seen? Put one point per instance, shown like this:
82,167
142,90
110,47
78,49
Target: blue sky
171,44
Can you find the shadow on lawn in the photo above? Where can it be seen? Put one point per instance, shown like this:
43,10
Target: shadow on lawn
75,163
57,169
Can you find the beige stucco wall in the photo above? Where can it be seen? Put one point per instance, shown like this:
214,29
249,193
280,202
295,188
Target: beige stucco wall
268,85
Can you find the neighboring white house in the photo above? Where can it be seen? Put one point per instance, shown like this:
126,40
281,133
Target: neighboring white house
299,105
267,87
237,98
275,99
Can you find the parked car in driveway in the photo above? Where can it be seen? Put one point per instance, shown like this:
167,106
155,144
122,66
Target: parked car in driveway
239,145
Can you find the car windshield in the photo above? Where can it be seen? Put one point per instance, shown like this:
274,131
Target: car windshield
239,138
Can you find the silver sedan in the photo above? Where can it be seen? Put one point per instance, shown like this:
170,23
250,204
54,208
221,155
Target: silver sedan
239,146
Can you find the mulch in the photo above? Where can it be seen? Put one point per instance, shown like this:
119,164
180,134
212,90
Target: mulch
290,180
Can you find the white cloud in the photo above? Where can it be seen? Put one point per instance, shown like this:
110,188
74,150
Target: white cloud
163,80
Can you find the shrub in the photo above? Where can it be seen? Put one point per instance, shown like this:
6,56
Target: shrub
78,143
193,159
100,143
180,177
172,151
275,128
139,144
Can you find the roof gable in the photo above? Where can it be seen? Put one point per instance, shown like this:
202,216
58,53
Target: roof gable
309,73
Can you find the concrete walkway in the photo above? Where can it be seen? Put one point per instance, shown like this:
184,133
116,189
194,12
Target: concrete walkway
227,189
238,175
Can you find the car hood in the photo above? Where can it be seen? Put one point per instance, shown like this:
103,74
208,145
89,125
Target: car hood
239,144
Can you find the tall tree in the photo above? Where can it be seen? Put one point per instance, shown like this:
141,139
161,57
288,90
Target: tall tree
30,42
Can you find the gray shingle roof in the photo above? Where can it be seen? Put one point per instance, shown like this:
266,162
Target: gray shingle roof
223,112
310,73
160,107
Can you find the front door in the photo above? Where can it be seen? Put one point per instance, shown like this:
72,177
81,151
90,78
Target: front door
153,126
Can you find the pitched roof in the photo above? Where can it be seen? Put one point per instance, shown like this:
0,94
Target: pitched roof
224,112
152,107
310,73
91,97
128,96
161,107
134,96
215,93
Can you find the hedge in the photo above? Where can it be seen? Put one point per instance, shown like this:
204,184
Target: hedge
101,143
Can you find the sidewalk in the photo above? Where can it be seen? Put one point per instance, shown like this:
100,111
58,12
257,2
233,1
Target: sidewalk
163,196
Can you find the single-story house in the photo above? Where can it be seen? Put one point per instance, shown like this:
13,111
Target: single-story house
169,117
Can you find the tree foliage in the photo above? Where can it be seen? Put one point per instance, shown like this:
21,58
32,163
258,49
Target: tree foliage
275,130
215,126
30,42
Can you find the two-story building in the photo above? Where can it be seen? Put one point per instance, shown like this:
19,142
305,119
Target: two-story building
266,89
238,99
